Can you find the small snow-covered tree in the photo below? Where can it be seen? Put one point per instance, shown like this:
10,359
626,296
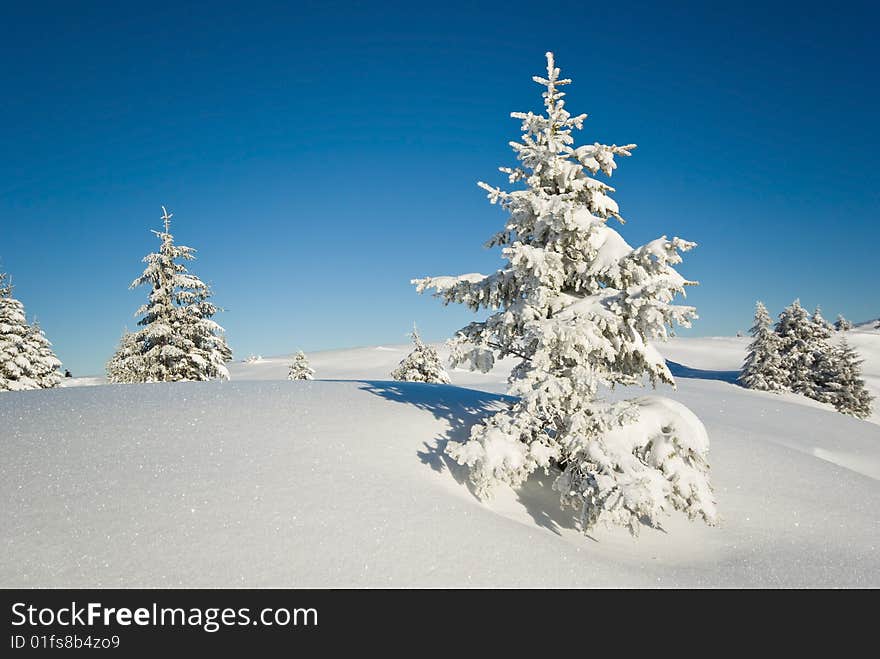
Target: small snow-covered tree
842,324
822,328
126,365
578,306
46,364
763,366
300,369
421,365
26,357
843,386
178,339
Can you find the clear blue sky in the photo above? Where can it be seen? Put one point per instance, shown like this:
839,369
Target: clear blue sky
320,155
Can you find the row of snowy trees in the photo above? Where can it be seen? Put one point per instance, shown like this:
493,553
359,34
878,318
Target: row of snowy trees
797,354
26,357
422,364
178,339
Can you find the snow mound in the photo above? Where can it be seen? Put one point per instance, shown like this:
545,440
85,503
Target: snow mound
335,484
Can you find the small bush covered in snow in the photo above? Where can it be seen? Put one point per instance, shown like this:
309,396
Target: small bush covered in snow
577,306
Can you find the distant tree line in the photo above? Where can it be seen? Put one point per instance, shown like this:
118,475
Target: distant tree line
797,354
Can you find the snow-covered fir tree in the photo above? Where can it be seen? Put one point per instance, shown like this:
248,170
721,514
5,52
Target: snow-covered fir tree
46,363
577,306
300,369
763,366
844,387
796,342
26,357
822,355
126,365
842,324
822,328
421,365
178,339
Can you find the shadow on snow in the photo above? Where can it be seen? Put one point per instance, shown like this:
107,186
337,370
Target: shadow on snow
682,371
461,408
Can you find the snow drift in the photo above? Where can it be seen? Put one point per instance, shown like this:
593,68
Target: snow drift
345,483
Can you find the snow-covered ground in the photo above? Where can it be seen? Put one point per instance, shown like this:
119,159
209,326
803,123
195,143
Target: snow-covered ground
342,482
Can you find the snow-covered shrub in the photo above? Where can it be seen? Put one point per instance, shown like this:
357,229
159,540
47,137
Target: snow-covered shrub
26,357
300,369
577,306
178,339
421,365
763,366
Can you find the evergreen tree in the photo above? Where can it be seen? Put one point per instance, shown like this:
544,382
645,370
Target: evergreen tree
763,366
300,369
577,306
26,357
821,356
178,339
844,387
126,365
842,324
822,328
421,365
46,363
796,342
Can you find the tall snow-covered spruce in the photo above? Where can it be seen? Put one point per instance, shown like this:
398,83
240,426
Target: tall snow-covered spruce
300,369
178,339
577,306
26,357
763,366
421,365
797,338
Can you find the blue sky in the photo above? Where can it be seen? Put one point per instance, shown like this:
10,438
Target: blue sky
320,155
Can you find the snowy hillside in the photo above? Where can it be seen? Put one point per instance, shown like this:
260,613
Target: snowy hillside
265,482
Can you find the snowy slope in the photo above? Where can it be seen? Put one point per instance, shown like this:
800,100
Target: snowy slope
342,483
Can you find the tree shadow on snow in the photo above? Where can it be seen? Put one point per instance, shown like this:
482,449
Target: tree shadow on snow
682,371
461,408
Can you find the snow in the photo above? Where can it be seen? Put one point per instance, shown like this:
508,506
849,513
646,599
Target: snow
343,482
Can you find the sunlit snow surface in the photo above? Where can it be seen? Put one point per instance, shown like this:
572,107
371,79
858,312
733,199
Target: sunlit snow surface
342,482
